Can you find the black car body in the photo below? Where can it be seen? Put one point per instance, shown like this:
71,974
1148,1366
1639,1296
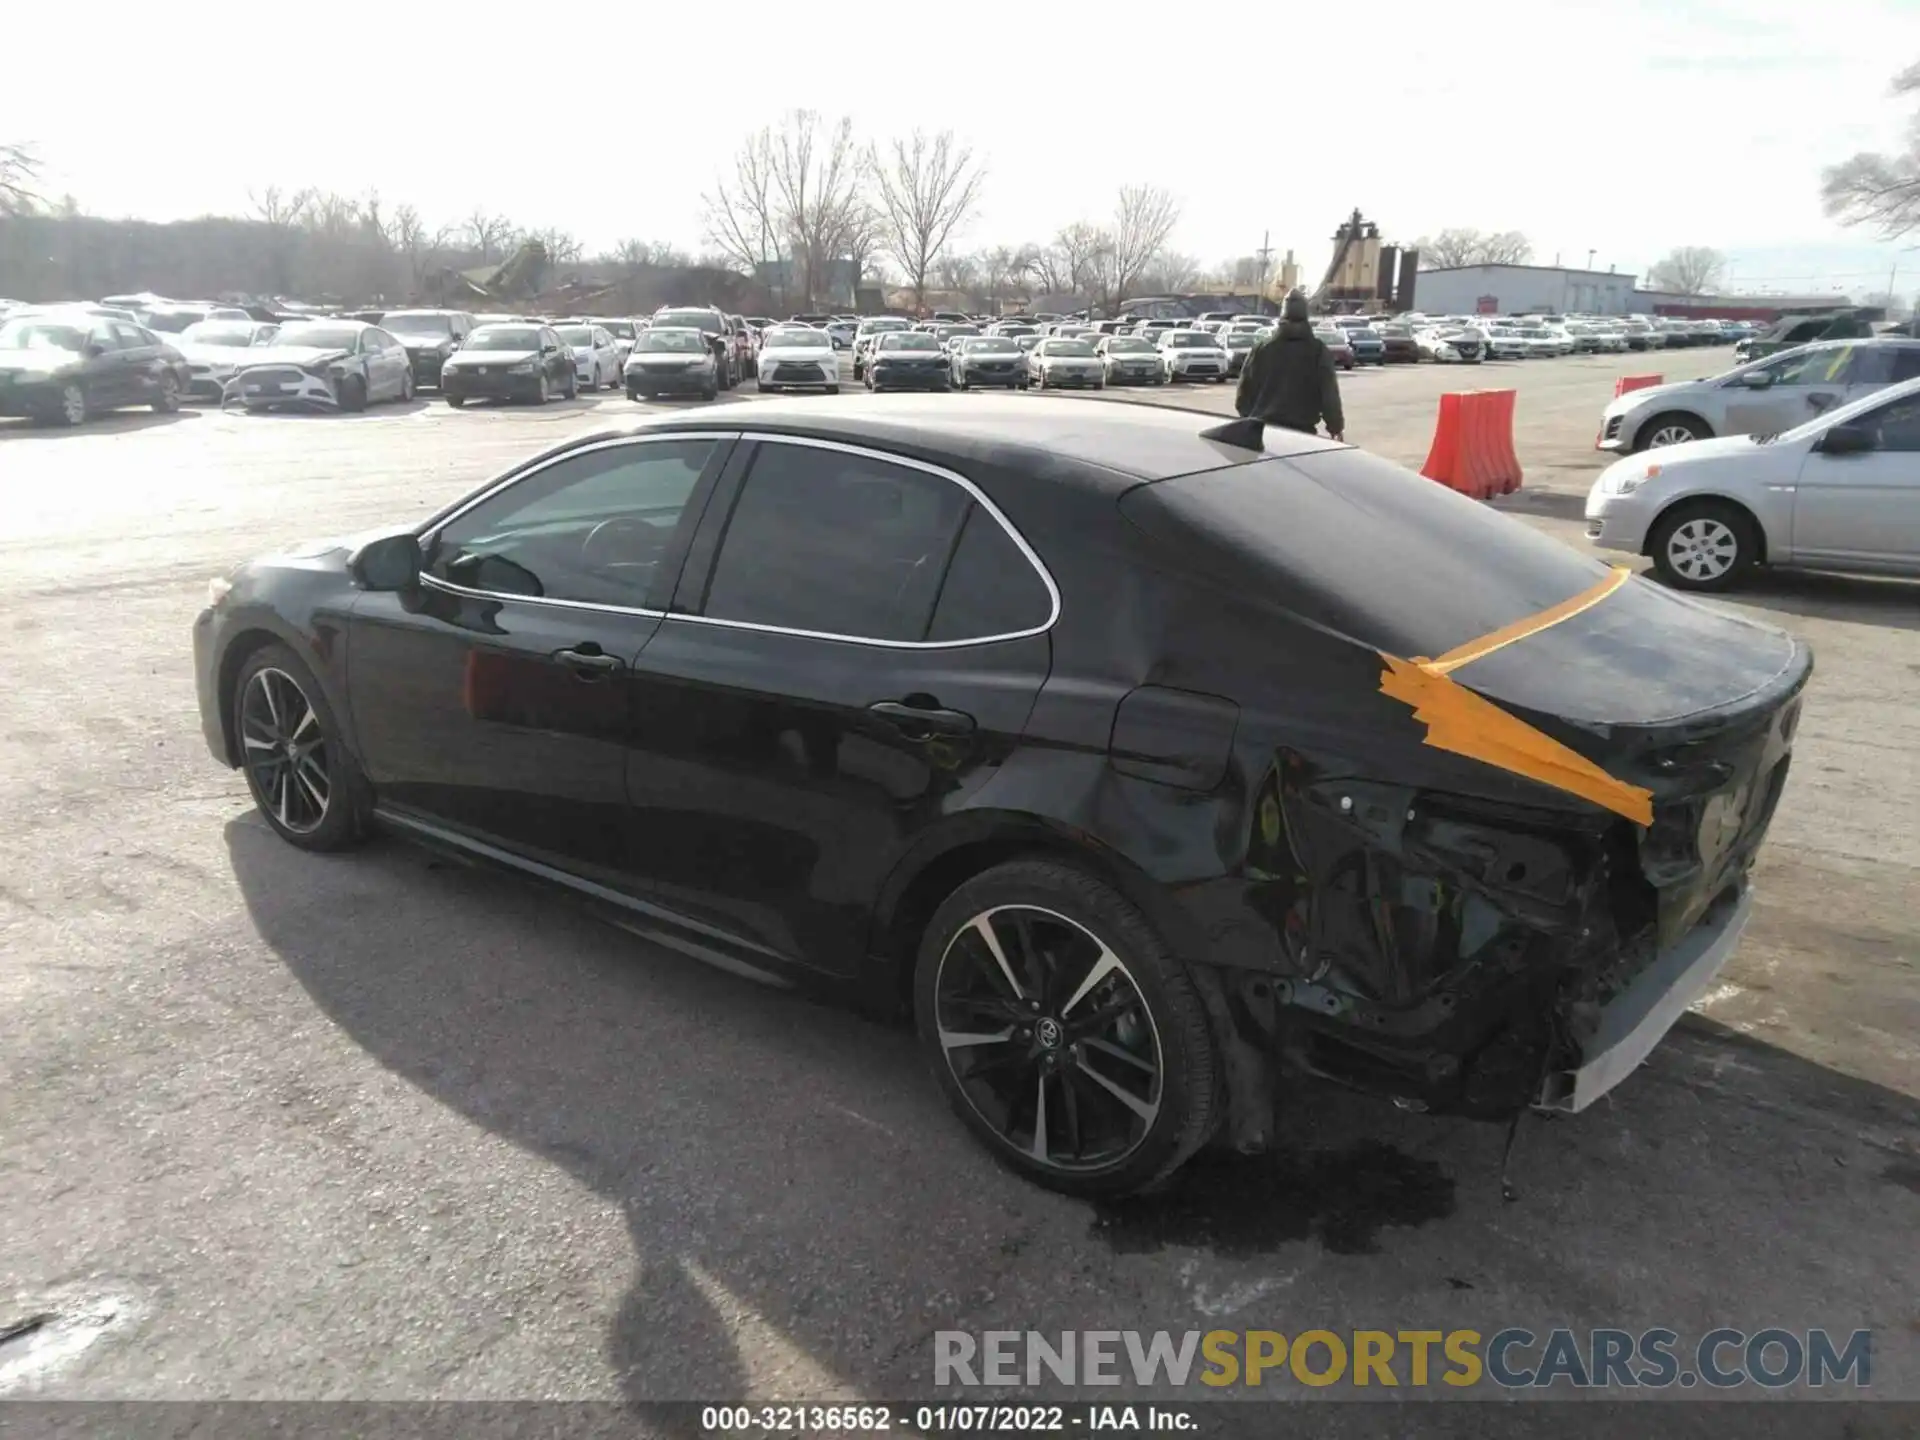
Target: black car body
430,337
524,361
1398,347
908,360
1792,330
58,368
1095,733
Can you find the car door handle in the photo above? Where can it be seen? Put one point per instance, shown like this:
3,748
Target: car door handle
920,722
590,664
1820,399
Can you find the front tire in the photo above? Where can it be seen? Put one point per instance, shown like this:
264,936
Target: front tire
1064,1031
572,392
456,401
167,400
1704,545
353,394
1672,429
306,784
406,388
543,393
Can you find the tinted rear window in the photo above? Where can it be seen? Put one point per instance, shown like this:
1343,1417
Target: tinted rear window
1354,542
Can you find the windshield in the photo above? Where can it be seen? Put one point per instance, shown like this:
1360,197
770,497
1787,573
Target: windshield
689,319
1187,339
619,329
1126,345
576,334
1330,337
28,335
992,345
671,340
504,337
319,337
910,340
1362,332
1398,332
947,332
881,327
219,332
418,322
1241,340
1066,347
800,335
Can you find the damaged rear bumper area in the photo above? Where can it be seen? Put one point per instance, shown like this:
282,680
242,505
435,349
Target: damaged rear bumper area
1461,956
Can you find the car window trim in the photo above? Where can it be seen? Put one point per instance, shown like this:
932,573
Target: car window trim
979,497
429,533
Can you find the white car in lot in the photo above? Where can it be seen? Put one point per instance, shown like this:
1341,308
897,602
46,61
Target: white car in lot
1506,343
1838,492
794,357
1450,345
1762,396
1191,355
218,350
597,359
1543,343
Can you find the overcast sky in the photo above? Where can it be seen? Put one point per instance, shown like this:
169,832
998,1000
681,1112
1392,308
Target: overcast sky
1622,128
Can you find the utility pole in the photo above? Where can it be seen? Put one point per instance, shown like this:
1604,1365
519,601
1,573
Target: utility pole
1590,255
1265,253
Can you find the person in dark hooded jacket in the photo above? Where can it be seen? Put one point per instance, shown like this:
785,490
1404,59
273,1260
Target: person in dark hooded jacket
1290,379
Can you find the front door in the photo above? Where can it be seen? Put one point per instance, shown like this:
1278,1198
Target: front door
857,643
1802,386
495,700
1864,509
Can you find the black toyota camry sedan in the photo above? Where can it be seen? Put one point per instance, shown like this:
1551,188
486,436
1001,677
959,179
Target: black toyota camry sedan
1144,759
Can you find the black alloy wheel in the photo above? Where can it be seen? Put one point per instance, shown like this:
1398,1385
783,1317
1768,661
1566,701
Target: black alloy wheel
302,779
1065,1032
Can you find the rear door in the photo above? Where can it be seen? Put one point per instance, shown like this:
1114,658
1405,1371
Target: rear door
1804,384
494,701
855,646
1864,509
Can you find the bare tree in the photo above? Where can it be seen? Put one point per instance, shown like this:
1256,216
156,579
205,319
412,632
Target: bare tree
1451,249
1050,267
563,246
19,167
1082,252
958,272
1142,221
743,213
276,208
815,174
999,270
927,190
488,234
1174,272
862,238
1882,190
1690,270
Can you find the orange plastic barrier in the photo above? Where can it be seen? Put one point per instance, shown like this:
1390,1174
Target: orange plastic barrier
1472,449
1635,382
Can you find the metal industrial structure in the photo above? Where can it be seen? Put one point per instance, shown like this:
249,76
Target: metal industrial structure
1366,275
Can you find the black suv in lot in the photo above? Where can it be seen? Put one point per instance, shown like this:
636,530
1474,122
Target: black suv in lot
430,337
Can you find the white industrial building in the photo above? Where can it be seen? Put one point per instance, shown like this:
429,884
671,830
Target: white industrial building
1523,290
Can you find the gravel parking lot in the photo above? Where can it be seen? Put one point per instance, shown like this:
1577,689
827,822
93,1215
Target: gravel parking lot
378,1126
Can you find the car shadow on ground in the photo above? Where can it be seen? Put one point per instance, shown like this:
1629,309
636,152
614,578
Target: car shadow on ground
111,422
1825,595
788,1171
1555,504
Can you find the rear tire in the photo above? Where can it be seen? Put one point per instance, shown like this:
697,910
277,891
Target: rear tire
833,389
456,401
1057,926
168,399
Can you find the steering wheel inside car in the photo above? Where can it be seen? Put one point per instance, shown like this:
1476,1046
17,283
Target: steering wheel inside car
623,540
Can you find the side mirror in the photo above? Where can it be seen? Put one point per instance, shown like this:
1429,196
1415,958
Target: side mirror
1848,440
390,563
94,351
1757,380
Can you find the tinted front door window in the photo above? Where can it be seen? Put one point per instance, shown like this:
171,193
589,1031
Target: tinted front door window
592,528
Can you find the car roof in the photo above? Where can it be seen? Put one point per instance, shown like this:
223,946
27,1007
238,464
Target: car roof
1110,445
